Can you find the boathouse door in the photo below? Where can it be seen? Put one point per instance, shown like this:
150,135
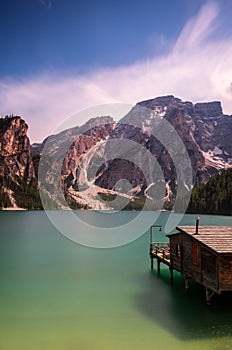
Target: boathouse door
208,268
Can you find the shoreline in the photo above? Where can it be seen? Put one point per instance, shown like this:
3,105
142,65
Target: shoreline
13,208
103,210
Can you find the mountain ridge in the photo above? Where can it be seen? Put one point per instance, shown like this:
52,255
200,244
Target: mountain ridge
206,138
203,128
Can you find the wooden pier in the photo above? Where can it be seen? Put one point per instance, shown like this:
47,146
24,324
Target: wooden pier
203,254
161,252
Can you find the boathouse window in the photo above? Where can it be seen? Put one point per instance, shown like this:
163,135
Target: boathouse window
195,253
178,250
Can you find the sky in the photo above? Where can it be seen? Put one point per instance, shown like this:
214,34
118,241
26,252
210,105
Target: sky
59,57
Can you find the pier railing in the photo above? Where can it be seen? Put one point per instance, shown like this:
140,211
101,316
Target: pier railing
160,250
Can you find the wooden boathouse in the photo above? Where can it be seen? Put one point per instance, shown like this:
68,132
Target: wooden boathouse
203,254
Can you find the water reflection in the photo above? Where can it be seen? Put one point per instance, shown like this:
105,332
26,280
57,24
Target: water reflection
185,315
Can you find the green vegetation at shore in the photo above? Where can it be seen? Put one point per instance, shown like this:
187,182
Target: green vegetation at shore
73,204
4,199
214,197
26,195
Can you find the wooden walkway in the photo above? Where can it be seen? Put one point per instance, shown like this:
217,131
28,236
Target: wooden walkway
161,252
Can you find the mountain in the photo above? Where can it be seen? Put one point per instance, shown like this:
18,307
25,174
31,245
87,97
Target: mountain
62,157
85,139
206,134
15,149
17,174
153,156
166,127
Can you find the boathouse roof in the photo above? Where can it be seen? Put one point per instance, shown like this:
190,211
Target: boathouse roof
217,238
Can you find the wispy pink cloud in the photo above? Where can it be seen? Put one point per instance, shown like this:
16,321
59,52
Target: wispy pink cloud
198,29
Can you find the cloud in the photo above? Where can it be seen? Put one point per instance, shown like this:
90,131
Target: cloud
198,68
198,29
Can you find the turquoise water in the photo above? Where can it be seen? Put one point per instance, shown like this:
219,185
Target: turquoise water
56,294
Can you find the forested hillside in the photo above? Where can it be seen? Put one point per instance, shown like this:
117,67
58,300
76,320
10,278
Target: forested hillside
214,197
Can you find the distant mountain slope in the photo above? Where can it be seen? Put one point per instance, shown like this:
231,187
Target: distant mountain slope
66,152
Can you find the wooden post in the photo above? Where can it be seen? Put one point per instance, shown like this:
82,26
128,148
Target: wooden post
158,266
208,295
171,266
186,284
152,264
171,275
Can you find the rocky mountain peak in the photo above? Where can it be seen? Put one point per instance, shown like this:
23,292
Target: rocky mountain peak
13,136
209,109
15,153
162,101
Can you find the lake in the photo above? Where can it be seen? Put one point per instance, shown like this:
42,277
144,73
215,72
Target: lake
57,294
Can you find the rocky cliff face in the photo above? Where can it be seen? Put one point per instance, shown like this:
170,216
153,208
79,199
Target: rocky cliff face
82,144
15,158
205,131
15,149
67,153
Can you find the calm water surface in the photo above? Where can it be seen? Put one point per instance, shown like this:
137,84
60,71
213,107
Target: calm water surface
58,295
